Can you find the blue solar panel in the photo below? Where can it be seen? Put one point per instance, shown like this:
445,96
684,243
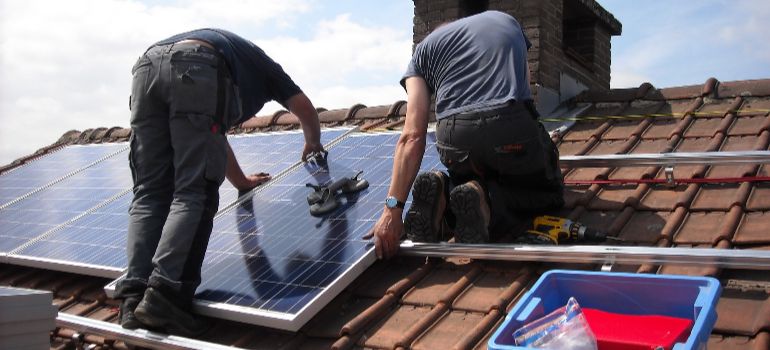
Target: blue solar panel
49,168
97,238
269,153
268,255
63,201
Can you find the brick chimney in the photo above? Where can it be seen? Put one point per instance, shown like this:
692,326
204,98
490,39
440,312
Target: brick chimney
570,40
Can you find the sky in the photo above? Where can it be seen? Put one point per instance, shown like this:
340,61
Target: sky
65,65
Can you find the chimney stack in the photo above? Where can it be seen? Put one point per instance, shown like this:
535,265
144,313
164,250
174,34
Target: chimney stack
570,39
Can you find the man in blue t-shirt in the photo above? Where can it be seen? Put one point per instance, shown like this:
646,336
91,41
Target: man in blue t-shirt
187,91
502,164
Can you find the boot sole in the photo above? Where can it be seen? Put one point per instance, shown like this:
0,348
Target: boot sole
145,314
418,223
470,227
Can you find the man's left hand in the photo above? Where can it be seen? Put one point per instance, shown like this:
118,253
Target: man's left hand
253,180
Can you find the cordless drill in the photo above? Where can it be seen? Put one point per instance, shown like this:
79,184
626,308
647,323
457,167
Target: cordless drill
554,230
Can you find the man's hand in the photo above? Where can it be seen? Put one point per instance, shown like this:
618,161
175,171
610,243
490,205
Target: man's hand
387,233
250,181
311,148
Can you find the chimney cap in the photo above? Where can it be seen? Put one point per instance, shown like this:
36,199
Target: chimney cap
603,16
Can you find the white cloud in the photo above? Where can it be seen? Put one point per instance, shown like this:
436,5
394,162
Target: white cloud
340,51
66,64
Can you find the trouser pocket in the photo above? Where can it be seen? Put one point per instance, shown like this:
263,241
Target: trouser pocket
515,147
456,160
200,145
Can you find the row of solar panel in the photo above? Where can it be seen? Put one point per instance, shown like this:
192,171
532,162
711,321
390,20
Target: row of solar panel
267,256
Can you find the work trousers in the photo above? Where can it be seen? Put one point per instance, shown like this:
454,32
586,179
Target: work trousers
509,152
178,155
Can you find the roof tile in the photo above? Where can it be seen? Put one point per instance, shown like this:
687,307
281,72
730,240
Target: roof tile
644,227
491,290
449,330
760,87
753,228
662,198
713,197
747,125
390,330
759,199
743,312
431,289
573,148
720,342
614,198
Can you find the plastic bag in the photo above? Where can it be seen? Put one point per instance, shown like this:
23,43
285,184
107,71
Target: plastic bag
564,328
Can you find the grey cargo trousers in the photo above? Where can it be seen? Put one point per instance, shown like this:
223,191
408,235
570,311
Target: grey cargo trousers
179,99
508,151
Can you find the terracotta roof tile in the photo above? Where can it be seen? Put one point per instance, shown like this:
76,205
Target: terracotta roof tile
759,87
759,199
390,330
574,148
712,197
753,228
644,227
720,342
743,312
448,331
491,290
431,289
614,198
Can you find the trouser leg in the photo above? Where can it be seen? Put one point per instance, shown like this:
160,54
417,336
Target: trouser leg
151,163
199,161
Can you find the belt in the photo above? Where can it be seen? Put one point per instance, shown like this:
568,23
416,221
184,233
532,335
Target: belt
195,42
508,108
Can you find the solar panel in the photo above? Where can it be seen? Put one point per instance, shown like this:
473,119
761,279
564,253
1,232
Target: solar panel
56,204
269,262
94,242
270,153
27,178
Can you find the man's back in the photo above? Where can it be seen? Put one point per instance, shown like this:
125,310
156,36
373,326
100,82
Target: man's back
474,64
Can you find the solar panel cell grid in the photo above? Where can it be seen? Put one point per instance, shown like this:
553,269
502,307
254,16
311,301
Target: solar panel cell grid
37,173
63,201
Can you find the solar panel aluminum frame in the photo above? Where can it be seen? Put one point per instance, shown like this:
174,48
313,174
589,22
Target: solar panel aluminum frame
63,266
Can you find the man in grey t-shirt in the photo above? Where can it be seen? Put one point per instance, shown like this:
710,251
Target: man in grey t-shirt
502,164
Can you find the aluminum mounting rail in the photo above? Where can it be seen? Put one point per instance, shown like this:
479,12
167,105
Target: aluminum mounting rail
143,338
665,159
607,255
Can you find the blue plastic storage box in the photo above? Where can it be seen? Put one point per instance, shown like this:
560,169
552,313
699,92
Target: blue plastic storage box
689,297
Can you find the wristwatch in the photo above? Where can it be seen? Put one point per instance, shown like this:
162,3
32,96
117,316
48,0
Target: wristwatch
391,202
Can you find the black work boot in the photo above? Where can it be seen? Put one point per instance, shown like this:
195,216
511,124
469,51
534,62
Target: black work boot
425,215
156,311
469,205
126,313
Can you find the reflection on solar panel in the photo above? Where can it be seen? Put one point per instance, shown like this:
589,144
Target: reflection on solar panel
23,220
270,153
18,182
94,244
271,263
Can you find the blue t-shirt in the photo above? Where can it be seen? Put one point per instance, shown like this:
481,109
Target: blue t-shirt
473,64
258,77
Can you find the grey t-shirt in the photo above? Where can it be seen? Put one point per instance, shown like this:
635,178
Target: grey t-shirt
473,64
